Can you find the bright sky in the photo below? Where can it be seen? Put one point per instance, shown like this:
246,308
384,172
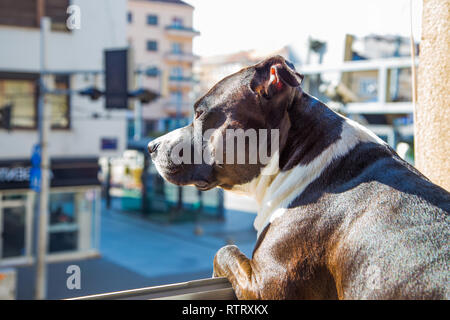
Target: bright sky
234,25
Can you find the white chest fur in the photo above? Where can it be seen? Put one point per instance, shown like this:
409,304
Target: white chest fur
274,193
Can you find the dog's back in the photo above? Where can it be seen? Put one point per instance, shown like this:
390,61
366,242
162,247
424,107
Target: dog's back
395,224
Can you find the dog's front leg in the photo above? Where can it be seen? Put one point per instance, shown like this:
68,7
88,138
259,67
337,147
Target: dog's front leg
230,262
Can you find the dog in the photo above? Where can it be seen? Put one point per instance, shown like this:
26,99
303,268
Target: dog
341,215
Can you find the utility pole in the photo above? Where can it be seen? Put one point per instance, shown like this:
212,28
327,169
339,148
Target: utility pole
44,129
138,108
178,125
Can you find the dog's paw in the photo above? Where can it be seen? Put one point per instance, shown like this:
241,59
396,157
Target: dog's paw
217,270
222,258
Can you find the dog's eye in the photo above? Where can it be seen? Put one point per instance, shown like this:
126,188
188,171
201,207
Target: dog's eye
198,113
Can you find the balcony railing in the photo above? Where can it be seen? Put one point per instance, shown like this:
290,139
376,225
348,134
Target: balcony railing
180,78
382,105
382,66
181,81
180,56
180,30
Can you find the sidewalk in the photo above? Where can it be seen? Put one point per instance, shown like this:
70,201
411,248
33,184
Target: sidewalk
139,253
156,250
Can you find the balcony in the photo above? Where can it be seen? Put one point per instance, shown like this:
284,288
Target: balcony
173,56
172,107
181,31
181,81
382,67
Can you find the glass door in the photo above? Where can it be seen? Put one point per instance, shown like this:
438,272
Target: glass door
15,226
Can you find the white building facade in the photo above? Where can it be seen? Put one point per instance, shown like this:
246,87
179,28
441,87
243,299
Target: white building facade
82,130
160,32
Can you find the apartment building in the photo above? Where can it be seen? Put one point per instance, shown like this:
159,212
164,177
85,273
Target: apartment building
81,129
160,33
210,70
364,84
372,85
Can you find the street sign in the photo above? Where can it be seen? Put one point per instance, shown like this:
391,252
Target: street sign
109,143
35,171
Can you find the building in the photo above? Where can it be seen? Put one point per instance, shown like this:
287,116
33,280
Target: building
372,85
396,127
364,84
82,130
160,32
210,70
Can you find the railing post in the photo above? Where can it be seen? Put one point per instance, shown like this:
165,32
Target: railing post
382,84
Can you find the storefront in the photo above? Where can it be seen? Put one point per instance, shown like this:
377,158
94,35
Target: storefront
74,211
138,187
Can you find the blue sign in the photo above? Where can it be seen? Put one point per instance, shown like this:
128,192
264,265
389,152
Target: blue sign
109,144
35,171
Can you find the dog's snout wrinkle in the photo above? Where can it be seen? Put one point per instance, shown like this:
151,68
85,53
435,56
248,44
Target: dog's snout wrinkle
153,146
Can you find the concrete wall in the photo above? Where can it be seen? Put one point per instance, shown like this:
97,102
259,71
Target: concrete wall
103,25
432,118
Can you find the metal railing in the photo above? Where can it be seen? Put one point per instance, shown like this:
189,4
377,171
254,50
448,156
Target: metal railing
204,289
382,106
177,27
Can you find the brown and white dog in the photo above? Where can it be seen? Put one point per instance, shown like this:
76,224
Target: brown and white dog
340,214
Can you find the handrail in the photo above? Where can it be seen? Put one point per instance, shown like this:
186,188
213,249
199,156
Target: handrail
381,65
361,65
204,289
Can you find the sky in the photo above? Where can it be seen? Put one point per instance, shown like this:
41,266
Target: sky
228,26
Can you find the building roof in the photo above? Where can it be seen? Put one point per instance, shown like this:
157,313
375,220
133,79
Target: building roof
172,1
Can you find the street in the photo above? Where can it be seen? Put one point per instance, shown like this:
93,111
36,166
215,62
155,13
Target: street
138,253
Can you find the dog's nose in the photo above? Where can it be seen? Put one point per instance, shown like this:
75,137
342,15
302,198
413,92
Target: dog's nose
153,146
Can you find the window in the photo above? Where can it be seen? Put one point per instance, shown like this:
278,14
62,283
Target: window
176,72
176,97
63,228
73,224
20,92
130,17
14,231
152,45
367,87
60,104
177,22
177,47
152,20
27,13
15,215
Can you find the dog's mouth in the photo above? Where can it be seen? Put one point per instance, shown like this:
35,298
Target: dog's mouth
178,175
204,185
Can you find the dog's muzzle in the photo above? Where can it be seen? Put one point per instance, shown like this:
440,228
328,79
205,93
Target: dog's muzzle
169,154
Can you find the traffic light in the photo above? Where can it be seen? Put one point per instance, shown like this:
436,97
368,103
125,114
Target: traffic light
117,78
5,117
144,95
91,92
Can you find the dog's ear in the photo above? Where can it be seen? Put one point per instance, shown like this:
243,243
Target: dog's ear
274,76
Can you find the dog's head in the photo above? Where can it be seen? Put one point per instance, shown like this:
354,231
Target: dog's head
239,117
